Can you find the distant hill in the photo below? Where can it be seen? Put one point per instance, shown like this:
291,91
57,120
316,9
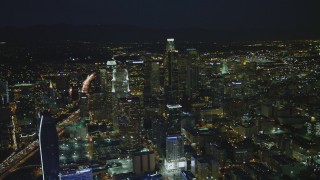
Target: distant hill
127,33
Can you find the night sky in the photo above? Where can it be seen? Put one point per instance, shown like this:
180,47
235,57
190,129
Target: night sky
220,14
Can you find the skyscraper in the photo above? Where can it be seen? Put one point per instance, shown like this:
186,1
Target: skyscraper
192,72
136,71
225,69
120,89
103,80
120,82
173,118
49,148
4,92
154,74
111,65
175,153
171,73
170,45
168,62
174,148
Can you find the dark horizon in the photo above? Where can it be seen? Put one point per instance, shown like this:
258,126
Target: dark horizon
123,33
163,14
186,19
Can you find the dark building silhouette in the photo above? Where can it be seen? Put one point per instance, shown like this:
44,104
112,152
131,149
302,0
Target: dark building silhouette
49,148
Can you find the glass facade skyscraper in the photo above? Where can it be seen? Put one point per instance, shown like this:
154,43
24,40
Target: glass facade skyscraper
49,149
174,148
175,153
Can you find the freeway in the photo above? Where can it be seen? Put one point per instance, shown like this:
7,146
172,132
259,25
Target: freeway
14,160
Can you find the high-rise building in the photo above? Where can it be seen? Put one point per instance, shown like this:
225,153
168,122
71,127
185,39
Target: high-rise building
129,115
217,91
192,73
103,77
159,127
120,82
74,93
83,105
175,158
120,90
171,73
111,65
153,82
25,108
136,70
192,80
43,98
225,69
5,130
49,148
173,118
82,174
172,70
4,92
170,45
174,148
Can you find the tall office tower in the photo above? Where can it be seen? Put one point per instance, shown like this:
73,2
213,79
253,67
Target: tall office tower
49,148
84,105
25,109
82,174
111,65
235,89
159,127
225,69
74,90
168,63
103,77
120,82
173,117
174,147
4,92
129,115
171,73
192,72
120,89
188,71
62,81
151,112
136,70
6,136
153,75
97,107
42,96
170,45
192,83
175,158
217,91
